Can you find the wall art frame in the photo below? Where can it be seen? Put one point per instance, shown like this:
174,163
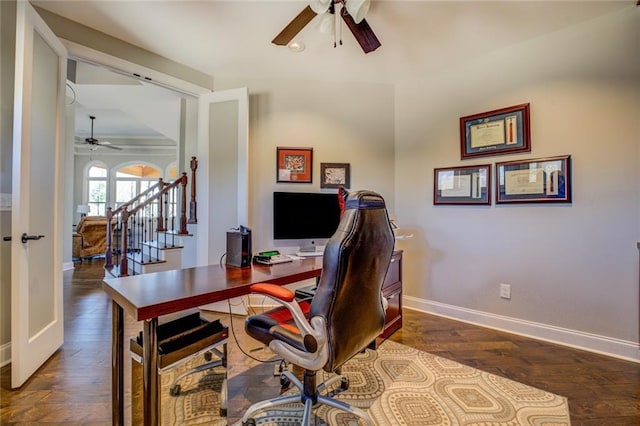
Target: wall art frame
294,165
501,131
335,175
541,180
466,185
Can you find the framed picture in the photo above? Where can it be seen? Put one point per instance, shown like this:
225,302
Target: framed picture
462,185
333,175
294,165
543,180
503,131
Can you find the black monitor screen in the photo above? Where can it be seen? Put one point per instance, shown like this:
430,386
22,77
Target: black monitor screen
301,215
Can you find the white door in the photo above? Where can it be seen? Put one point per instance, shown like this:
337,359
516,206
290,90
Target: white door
223,170
38,130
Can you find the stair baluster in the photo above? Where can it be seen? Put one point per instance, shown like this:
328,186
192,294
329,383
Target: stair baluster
151,220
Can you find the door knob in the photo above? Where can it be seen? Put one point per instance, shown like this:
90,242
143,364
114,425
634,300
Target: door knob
26,237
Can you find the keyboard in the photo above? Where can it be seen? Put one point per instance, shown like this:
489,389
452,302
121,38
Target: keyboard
309,253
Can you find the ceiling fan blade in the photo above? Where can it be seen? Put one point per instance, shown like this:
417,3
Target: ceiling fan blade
294,27
362,32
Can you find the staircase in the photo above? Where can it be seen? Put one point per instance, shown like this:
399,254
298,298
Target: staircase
149,233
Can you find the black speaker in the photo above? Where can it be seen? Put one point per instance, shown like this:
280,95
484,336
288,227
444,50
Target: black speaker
239,247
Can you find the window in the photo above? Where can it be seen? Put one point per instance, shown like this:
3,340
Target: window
104,190
97,190
133,179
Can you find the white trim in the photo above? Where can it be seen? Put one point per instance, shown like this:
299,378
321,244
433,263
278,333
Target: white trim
122,66
68,266
604,345
204,255
5,354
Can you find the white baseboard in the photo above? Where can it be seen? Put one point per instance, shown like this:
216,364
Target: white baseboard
610,346
5,354
67,266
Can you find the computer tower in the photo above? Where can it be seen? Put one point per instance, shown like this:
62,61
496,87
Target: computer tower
239,247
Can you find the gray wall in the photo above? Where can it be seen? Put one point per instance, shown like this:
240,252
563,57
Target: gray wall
573,268
343,123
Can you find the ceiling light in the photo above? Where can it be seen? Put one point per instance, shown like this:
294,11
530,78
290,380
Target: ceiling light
357,9
320,6
296,46
327,24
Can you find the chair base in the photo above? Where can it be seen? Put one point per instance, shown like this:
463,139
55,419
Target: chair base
309,396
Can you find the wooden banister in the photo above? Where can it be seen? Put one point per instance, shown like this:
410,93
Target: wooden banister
146,215
193,217
160,184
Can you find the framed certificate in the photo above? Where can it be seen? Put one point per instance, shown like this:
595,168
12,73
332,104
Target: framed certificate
502,131
544,180
462,185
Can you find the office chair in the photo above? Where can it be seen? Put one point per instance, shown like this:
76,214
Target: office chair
345,315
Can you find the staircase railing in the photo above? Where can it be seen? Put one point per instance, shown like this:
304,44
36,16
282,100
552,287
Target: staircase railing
143,226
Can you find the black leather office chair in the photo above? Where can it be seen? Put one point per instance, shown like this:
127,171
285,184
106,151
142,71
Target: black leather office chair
345,315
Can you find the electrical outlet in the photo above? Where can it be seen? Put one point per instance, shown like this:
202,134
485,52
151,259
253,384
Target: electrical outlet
505,291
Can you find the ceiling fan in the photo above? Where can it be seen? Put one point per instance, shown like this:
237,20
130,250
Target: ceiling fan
95,142
352,13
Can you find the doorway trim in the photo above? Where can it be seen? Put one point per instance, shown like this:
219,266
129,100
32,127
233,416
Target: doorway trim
130,69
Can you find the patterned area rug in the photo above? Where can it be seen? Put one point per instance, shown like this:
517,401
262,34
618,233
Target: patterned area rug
398,385
199,400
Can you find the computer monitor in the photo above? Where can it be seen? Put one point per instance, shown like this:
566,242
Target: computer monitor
304,215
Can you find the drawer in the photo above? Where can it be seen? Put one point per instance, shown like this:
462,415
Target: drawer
393,273
394,309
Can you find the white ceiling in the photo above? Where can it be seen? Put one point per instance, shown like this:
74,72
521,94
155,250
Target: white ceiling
144,109
232,39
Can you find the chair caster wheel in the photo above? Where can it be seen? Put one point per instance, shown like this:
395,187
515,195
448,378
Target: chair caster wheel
250,422
175,391
344,383
208,356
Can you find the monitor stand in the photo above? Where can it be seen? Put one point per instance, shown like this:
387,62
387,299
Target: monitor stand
310,250
311,247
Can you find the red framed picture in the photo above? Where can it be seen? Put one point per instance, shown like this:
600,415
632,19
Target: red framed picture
294,165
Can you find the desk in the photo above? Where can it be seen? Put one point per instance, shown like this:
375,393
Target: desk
148,296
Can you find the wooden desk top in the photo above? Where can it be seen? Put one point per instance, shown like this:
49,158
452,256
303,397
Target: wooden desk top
151,295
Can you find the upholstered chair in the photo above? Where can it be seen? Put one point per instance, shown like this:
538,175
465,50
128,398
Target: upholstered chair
345,315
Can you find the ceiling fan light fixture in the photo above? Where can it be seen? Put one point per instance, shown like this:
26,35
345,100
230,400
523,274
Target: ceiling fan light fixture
357,9
320,6
327,24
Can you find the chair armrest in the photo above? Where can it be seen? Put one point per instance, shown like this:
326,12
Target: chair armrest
318,353
273,290
286,298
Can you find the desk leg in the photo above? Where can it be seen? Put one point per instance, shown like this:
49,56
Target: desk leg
117,365
150,371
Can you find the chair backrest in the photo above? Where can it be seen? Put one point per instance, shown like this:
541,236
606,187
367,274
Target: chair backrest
349,293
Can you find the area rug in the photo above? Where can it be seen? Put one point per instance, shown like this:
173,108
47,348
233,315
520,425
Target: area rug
198,401
397,385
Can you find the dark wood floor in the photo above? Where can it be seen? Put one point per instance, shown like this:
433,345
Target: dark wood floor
74,386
